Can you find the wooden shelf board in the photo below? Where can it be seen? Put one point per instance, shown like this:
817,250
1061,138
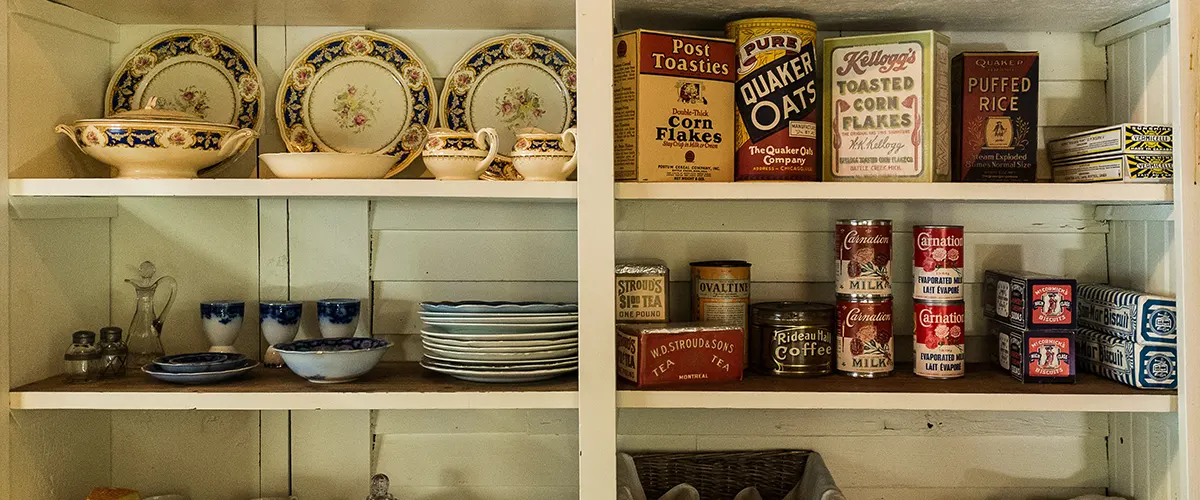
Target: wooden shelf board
985,388
388,386
292,188
871,15
1101,193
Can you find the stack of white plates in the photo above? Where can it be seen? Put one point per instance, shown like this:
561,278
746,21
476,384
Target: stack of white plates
500,342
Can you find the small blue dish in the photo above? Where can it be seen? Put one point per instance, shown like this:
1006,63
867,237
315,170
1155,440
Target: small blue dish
499,307
333,360
199,378
199,362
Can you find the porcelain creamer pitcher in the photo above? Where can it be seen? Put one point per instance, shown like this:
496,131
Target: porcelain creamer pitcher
542,156
454,155
145,331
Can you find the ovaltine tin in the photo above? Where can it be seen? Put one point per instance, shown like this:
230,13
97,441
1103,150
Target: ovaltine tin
939,349
679,353
792,338
1029,301
865,344
887,108
777,99
938,262
864,257
721,292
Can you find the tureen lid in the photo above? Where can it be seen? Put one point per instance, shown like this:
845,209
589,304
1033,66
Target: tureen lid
152,113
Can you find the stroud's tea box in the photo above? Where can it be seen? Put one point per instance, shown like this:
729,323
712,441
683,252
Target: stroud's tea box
680,353
995,116
673,107
887,108
1133,364
1107,142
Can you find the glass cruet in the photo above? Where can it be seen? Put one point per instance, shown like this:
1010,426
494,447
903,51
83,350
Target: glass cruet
145,331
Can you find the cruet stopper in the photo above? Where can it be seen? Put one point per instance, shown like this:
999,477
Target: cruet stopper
379,488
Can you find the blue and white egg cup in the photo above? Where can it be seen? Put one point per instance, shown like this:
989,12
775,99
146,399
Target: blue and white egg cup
222,323
338,317
279,322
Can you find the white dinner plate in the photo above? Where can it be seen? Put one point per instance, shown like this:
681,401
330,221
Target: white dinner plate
442,314
499,307
451,327
193,71
501,366
501,377
502,345
499,357
566,334
357,92
501,320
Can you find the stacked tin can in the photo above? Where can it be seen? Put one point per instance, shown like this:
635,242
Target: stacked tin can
864,298
939,329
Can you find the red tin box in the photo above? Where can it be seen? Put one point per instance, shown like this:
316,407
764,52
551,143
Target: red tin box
679,353
1033,356
1029,301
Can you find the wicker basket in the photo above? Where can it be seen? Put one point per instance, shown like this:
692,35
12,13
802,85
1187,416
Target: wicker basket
721,475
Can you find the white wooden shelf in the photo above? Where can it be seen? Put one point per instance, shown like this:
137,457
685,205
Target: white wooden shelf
390,386
871,15
292,188
1105,194
985,388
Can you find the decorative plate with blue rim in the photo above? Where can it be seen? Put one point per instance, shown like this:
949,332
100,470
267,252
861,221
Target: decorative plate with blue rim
199,362
508,83
201,377
193,71
357,92
500,307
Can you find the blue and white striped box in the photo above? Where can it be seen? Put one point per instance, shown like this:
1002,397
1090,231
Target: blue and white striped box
1138,365
1135,316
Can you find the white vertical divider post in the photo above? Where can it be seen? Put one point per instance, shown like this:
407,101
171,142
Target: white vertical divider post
1185,88
5,340
597,341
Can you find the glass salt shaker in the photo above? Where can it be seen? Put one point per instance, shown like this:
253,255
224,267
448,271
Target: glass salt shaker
113,352
82,360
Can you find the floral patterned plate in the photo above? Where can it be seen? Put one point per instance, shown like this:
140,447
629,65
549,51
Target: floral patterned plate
357,92
508,83
192,71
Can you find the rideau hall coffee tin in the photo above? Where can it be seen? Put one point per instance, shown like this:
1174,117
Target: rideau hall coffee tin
777,96
864,257
792,338
865,343
938,262
721,293
939,335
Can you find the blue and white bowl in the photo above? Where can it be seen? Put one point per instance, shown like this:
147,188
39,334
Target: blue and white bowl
222,322
279,321
333,360
338,317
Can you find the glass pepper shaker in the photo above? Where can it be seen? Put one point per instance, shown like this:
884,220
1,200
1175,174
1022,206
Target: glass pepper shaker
113,352
82,360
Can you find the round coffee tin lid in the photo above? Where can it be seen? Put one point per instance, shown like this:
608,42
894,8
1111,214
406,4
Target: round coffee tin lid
721,263
793,311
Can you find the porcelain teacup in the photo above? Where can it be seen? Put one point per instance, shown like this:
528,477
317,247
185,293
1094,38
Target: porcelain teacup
454,155
279,322
338,317
542,156
222,323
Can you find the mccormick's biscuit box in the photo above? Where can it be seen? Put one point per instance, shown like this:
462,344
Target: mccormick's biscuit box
1150,168
1033,356
679,353
887,108
1117,140
673,107
1029,301
995,116
1136,365
1127,314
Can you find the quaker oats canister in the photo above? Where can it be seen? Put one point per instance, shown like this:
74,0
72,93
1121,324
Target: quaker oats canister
721,293
938,262
864,341
792,338
939,348
777,97
864,257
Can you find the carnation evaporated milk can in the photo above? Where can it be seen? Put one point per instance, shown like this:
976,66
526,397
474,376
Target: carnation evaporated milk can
887,108
938,262
939,335
864,257
777,99
864,336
